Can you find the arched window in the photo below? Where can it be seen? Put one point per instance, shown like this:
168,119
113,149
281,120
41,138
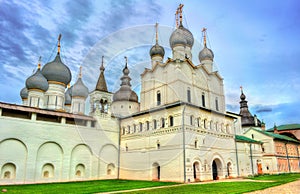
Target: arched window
189,95
123,131
171,121
134,128
158,98
148,125
203,99
162,122
158,144
217,103
79,170
205,124
217,126
192,120
8,171
128,127
141,127
198,122
48,171
196,143
154,124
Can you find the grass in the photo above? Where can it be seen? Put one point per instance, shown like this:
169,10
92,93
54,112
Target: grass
229,187
82,187
119,185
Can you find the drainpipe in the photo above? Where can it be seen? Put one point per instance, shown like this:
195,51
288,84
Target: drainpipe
236,151
287,157
298,155
251,159
183,141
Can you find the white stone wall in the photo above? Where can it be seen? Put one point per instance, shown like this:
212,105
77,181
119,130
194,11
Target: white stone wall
54,152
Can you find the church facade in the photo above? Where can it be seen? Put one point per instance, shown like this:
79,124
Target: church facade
179,130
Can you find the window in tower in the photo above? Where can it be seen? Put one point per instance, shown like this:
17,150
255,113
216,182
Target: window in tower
154,124
162,122
171,121
141,127
158,98
189,95
203,99
217,103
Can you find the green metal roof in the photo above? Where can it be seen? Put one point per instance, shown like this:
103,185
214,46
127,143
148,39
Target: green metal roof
276,136
286,127
246,139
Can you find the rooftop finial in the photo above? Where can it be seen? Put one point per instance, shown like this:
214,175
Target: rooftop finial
204,36
156,33
180,13
69,85
102,64
58,46
126,61
241,87
80,71
176,18
39,63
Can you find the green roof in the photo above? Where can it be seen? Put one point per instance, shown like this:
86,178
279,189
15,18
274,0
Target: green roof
276,136
245,139
286,127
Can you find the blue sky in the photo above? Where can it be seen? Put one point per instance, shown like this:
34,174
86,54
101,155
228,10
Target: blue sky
256,45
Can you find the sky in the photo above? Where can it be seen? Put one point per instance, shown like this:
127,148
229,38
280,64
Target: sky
255,43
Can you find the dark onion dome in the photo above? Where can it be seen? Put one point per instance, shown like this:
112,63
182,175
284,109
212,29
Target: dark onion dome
24,93
68,98
57,71
181,36
157,50
243,96
206,54
37,81
125,93
79,89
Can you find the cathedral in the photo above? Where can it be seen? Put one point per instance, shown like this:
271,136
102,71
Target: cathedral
179,129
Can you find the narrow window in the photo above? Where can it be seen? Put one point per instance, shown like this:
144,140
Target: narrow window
204,123
154,124
191,120
134,128
198,122
126,147
128,129
158,146
78,107
171,121
252,136
189,95
123,131
148,125
196,143
158,98
141,127
30,101
217,104
55,100
38,102
162,122
203,99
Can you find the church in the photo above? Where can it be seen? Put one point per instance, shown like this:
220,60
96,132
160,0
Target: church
179,129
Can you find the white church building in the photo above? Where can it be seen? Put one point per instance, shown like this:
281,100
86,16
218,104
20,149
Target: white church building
179,129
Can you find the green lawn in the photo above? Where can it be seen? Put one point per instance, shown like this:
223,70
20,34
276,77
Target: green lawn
229,187
118,185
82,187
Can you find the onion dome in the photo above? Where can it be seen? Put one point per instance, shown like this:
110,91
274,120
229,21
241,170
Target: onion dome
79,89
68,98
181,36
125,93
24,93
243,96
37,81
157,50
205,53
56,70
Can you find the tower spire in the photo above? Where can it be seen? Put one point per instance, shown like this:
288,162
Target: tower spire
126,61
101,84
156,33
80,72
180,13
39,63
204,36
58,45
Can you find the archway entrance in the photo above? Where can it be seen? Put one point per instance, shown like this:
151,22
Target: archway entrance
216,169
196,171
155,172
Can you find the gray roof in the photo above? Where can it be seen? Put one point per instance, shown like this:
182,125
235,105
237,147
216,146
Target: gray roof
68,98
157,50
57,71
206,54
24,93
181,36
37,81
79,89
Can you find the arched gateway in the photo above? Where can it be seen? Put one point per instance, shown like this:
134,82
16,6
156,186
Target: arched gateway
216,169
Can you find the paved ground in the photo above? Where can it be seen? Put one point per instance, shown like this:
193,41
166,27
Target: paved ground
289,188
